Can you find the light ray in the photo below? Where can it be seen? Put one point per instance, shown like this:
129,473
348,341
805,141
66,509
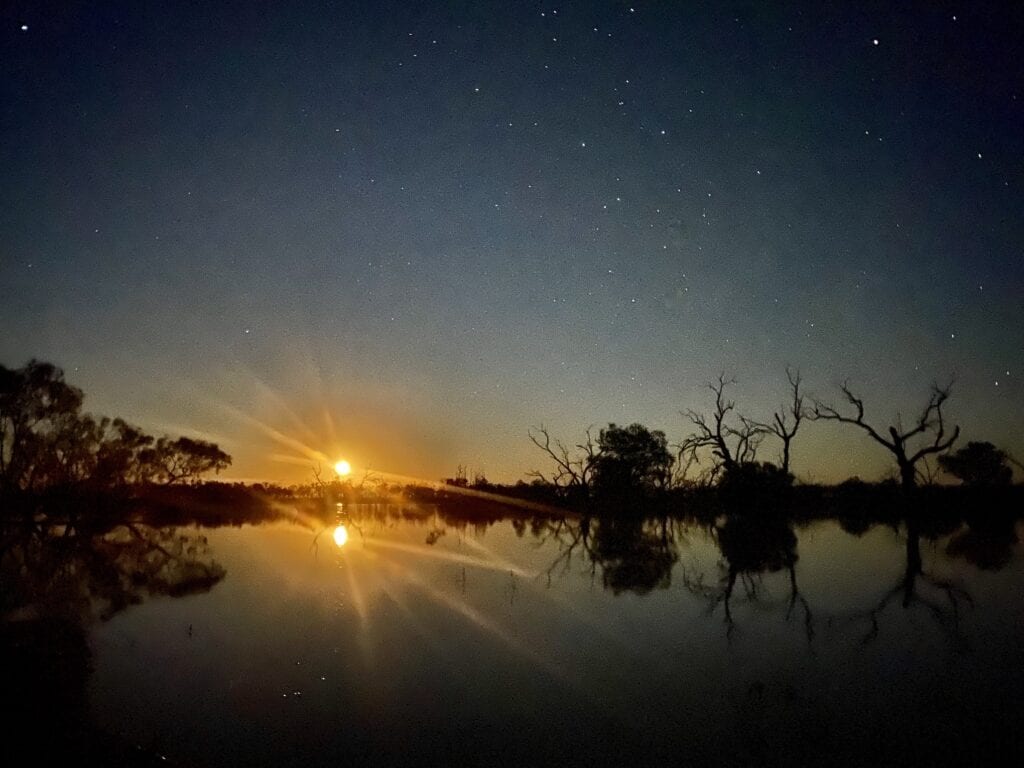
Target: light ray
451,557
486,625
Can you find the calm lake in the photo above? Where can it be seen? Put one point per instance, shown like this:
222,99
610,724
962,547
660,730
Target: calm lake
390,640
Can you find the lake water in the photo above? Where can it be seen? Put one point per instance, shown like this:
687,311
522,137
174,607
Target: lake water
393,641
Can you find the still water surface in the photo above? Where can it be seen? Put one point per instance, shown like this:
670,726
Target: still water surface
410,642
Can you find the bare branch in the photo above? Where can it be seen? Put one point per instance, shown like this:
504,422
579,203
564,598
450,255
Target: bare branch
570,471
930,421
786,421
715,433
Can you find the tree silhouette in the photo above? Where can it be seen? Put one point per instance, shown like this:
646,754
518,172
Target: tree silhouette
172,461
729,443
36,408
929,427
631,461
572,471
978,464
786,421
47,443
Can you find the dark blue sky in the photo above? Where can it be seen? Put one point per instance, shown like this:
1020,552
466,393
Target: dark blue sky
404,233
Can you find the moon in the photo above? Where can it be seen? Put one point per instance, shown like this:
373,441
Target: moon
340,535
343,468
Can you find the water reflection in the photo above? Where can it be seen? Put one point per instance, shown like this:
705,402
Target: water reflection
58,581
432,624
751,547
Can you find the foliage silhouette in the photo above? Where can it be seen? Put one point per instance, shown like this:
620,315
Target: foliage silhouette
49,446
751,546
57,581
635,555
631,462
978,464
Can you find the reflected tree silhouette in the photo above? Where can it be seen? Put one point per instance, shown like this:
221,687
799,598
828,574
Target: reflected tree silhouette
634,554
57,581
752,546
55,571
943,599
574,537
987,540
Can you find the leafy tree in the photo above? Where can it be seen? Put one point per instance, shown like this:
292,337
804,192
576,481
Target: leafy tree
39,414
978,464
47,442
632,459
172,461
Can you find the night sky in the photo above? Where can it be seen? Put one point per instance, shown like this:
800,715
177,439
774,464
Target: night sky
404,233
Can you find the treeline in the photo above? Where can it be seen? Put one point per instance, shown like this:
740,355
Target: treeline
51,451
723,451
49,446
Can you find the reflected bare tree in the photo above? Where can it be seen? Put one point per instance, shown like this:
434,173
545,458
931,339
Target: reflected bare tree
573,536
943,599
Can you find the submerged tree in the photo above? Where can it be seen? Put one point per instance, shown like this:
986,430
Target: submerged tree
929,429
978,464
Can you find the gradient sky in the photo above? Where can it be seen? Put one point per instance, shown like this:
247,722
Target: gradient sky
403,233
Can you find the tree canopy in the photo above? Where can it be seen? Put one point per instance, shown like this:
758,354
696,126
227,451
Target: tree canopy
631,459
978,464
46,441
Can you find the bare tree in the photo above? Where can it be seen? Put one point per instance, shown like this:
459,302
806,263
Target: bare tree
730,445
929,426
786,421
572,471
